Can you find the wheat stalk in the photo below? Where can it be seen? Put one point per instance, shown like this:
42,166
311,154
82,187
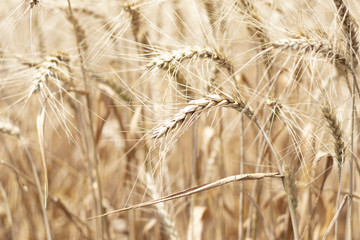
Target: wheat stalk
197,189
350,28
12,130
339,146
86,123
336,217
166,219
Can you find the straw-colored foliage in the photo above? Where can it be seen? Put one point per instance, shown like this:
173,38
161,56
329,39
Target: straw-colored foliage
179,119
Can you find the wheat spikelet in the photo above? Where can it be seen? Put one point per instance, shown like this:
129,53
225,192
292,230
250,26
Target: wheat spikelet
80,33
210,7
350,28
166,60
255,25
33,3
311,46
291,185
197,106
9,129
337,134
88,12
134,14
338,145
46,70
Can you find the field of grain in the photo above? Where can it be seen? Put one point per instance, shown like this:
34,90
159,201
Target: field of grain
179,119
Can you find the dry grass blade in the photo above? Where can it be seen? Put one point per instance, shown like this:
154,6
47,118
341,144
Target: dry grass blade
197,189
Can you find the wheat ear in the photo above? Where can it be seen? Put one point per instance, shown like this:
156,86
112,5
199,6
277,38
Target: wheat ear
339,146
196,107
177,56
311,46
255,26
334,126
46,70
131,9
349,27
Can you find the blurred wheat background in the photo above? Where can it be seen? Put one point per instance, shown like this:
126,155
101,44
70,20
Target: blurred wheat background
179,119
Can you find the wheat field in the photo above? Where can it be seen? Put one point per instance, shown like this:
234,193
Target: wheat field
179,119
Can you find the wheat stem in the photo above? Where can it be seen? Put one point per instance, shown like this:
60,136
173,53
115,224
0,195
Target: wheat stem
335,218
197,189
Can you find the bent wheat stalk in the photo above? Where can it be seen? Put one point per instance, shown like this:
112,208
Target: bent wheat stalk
197,189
